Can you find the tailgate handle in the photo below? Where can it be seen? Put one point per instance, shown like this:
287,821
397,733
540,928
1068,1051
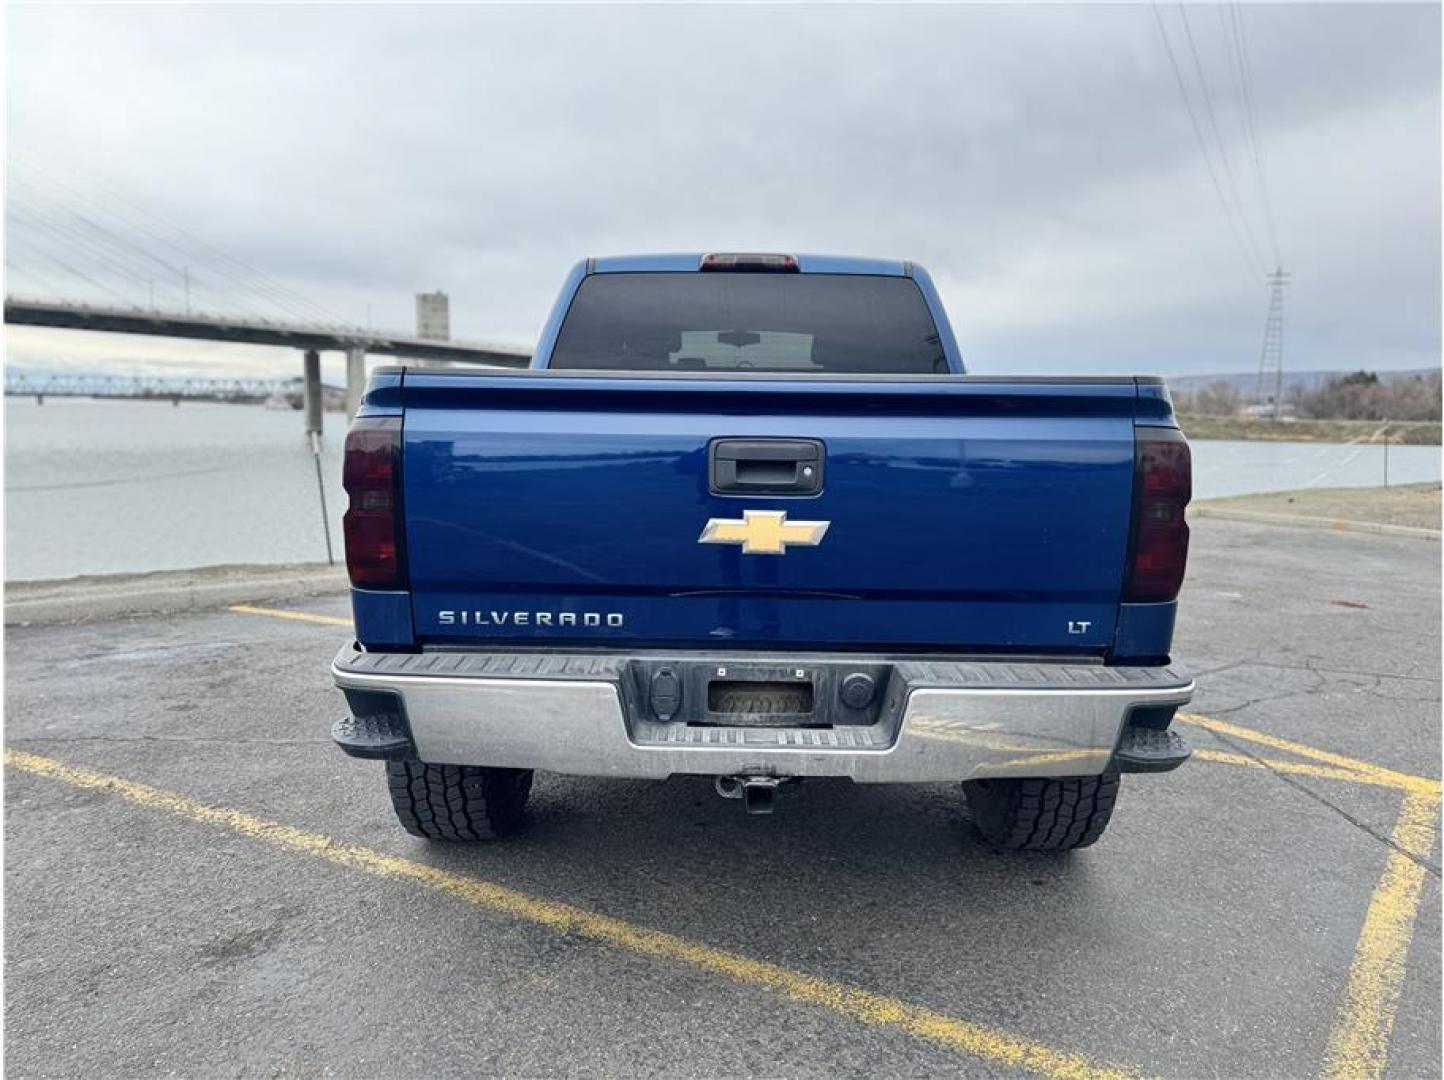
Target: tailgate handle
765,466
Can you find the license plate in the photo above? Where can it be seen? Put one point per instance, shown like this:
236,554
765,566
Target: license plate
759,700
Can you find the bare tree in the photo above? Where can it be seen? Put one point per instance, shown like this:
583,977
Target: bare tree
1362,395
1216,399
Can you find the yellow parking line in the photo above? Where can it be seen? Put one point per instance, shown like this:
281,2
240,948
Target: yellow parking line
1302,768
1365,770
1359,1044
861,1005
281,613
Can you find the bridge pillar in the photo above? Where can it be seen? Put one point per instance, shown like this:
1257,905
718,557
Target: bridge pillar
311,391
355,378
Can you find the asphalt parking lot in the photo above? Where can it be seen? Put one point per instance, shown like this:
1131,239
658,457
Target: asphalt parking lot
199,884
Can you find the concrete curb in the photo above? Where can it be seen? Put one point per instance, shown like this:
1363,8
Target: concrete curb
1304,521
91,598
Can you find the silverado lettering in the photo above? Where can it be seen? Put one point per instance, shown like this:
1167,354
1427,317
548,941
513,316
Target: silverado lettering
992,605
613,619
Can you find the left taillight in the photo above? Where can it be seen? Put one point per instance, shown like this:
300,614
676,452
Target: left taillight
371,475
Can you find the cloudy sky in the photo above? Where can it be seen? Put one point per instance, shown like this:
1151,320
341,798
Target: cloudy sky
1039,160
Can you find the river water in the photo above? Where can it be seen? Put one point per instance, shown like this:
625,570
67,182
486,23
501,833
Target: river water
96,487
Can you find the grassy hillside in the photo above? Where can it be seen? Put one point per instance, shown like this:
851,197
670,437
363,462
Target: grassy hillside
1338,431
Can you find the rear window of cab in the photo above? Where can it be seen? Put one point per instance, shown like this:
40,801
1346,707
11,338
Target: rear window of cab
688,321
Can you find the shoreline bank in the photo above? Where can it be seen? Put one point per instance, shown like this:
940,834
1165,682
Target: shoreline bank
93,597
1345,432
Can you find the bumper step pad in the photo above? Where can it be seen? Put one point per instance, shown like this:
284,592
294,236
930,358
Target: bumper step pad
1150,750
384,735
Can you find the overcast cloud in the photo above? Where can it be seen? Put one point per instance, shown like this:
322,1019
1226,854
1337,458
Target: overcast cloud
1037,159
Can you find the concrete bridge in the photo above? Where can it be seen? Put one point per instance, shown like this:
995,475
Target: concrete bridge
311,339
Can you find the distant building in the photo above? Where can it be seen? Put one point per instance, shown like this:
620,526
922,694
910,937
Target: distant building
1265,411
433,316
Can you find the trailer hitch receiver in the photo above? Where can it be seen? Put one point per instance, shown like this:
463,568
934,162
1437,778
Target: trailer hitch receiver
757,792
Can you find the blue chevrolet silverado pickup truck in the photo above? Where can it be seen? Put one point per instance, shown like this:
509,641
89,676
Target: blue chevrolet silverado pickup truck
748,517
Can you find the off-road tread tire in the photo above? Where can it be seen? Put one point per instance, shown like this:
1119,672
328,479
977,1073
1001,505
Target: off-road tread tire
457,802
1042,815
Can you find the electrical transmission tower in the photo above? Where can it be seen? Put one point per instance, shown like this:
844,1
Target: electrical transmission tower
1271,359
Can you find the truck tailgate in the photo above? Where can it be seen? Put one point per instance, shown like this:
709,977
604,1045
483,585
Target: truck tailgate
963,513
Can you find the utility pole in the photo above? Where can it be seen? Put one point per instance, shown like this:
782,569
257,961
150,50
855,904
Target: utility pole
313,401
1271,358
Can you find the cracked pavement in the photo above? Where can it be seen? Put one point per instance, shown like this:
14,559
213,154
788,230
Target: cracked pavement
1210,932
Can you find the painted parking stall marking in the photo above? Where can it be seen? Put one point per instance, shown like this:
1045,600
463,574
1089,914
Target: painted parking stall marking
284,613
864,1006
1357,1046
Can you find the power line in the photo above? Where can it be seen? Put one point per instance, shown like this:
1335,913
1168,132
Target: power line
1240,50
1250,255
1217,134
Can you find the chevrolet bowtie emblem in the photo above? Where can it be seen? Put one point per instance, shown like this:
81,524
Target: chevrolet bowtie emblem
763,532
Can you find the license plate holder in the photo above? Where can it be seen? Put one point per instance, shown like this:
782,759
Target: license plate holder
760,703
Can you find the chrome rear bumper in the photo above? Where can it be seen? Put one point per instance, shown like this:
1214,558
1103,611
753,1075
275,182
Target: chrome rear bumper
941,720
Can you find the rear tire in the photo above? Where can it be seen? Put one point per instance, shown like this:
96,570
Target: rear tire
457,802
1042,815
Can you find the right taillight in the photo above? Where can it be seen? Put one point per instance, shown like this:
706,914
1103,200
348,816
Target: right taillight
1163,484
371,475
